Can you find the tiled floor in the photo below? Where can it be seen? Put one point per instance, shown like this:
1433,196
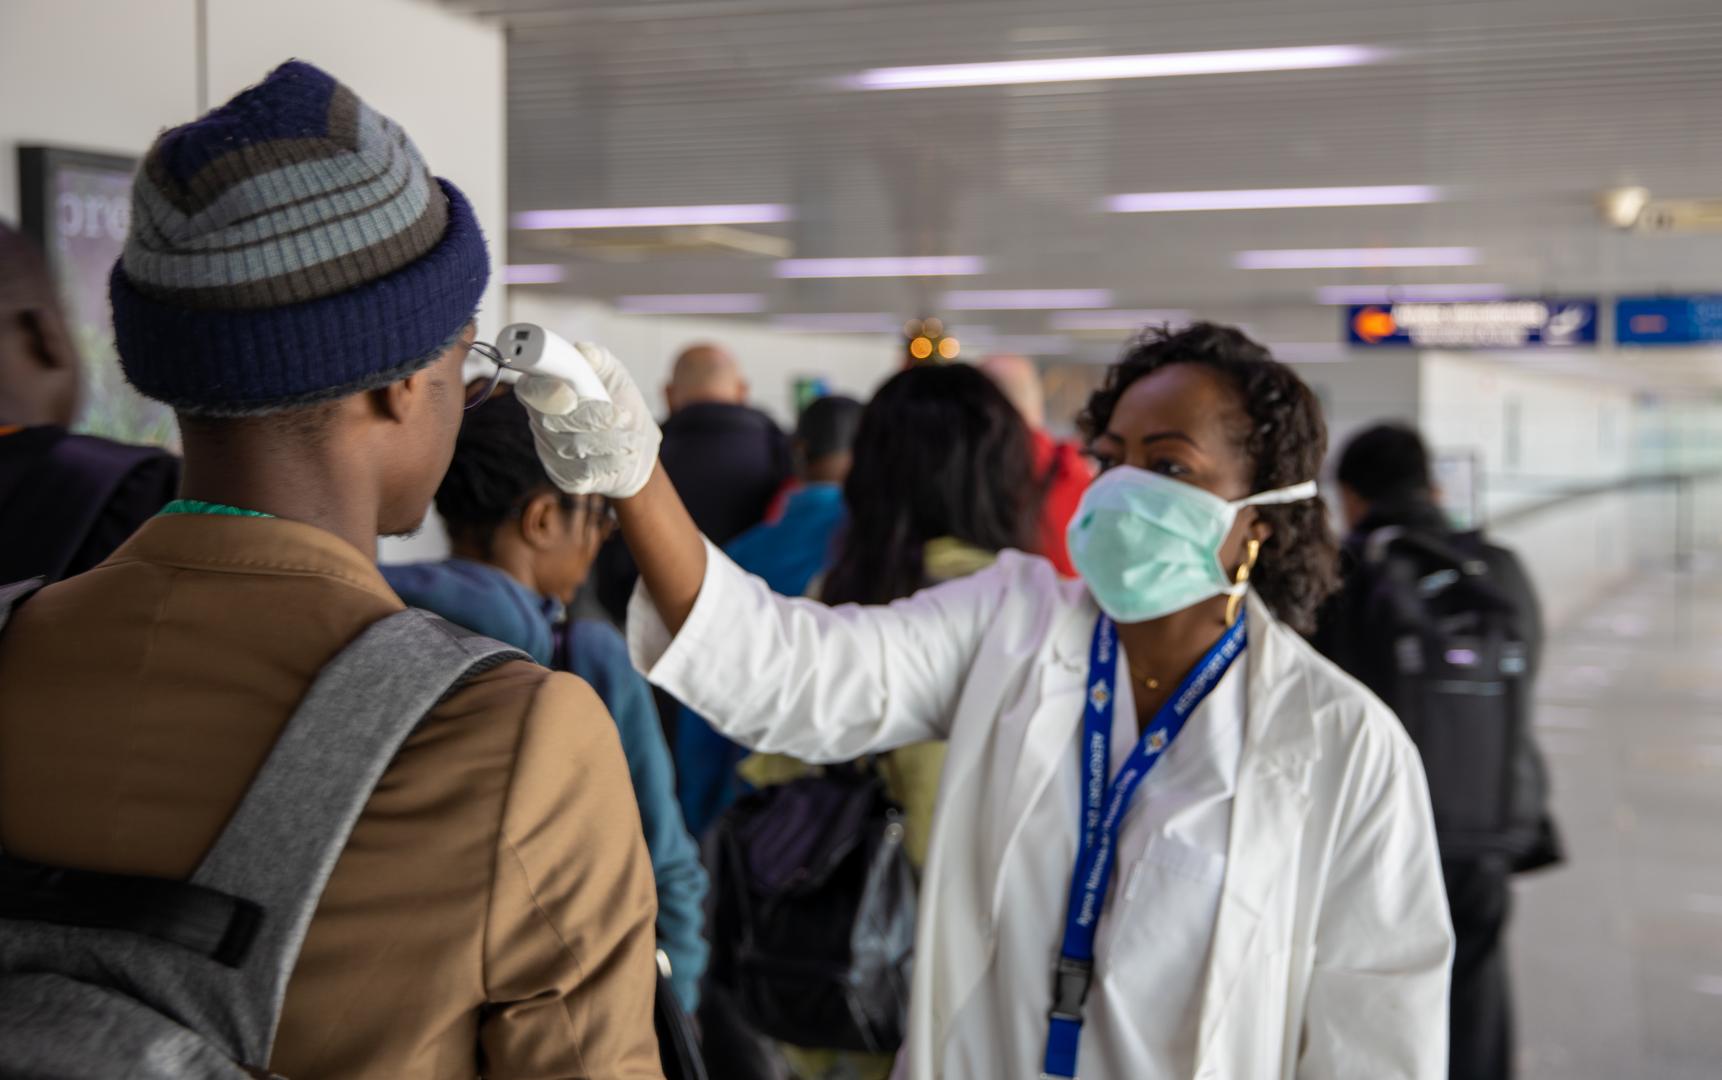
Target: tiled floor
1618,954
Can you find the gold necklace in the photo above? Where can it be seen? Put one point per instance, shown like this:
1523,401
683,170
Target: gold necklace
1147,681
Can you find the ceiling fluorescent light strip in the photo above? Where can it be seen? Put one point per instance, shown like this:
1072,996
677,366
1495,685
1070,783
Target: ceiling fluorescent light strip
637,217
692,304
912,266
1170,202
533,273
1338,295
1088,68
1025,299
1343,258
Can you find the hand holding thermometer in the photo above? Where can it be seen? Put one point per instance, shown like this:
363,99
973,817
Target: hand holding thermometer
608,449
532,350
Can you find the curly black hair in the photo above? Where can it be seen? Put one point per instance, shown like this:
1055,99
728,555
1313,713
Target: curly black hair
1285,443
495,470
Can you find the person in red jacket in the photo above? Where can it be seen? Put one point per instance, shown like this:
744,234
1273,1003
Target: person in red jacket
1064,471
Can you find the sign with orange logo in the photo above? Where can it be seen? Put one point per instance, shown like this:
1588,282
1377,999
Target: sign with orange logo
1373,324
1481,324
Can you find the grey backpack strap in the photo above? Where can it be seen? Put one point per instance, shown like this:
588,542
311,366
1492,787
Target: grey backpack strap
281,844
214,954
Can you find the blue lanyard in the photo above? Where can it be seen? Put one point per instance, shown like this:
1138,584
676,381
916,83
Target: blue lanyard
1103,808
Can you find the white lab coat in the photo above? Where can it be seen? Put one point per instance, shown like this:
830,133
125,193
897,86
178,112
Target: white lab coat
1331,944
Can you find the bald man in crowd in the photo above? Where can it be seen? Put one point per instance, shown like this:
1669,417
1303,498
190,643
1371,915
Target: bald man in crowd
705,373
1060,466
66,501
727,459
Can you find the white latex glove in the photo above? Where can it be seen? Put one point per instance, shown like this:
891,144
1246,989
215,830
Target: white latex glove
601,447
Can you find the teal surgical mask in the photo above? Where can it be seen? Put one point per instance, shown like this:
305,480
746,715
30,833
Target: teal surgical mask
1148,545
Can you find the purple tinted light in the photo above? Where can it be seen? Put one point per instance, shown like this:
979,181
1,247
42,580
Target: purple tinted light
533,273
1339,258
912,266
1163,202
634,217
1085,68
1408,294
1025,299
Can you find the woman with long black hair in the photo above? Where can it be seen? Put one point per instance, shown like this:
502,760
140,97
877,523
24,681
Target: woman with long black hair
942,482
1171,839
940,485
942,464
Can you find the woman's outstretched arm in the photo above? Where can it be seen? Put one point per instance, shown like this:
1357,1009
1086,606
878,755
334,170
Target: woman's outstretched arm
790,676
666,546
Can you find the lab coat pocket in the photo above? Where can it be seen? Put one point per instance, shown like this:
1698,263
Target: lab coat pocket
1153,953
1165,906
1185,860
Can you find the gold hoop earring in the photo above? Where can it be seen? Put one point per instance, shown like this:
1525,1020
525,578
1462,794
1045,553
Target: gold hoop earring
1252,551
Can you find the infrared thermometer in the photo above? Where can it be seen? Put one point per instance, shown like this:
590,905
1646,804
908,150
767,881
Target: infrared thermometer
532,350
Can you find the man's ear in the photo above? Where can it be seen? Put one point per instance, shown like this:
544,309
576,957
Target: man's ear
48,339
743,391
398,400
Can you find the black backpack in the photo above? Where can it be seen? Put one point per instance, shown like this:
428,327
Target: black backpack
1447,648
813,918
55,500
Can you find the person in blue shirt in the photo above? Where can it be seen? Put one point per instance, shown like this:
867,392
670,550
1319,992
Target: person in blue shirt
521,550
788,551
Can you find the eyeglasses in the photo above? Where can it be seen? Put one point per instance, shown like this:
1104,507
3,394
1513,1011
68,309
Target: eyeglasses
491,366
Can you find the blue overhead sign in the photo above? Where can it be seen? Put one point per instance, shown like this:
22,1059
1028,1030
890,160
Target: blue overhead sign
1668,320
1479,324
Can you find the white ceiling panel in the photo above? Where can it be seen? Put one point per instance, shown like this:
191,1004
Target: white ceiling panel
1522,110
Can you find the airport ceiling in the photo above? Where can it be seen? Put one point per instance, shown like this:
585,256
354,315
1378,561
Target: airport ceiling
1519,111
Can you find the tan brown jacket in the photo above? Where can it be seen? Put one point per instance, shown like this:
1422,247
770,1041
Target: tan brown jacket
493,911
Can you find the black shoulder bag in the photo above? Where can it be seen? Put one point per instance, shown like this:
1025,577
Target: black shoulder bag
814,911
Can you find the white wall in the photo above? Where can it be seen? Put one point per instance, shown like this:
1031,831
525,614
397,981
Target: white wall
92,75
440,75
109,75
772,359
1571,432
1361,389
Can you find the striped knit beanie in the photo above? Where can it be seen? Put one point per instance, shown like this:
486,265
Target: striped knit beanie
288,248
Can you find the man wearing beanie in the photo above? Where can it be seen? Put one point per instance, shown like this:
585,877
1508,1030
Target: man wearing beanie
301,289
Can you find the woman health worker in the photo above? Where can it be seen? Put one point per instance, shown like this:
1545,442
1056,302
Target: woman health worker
1171,839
